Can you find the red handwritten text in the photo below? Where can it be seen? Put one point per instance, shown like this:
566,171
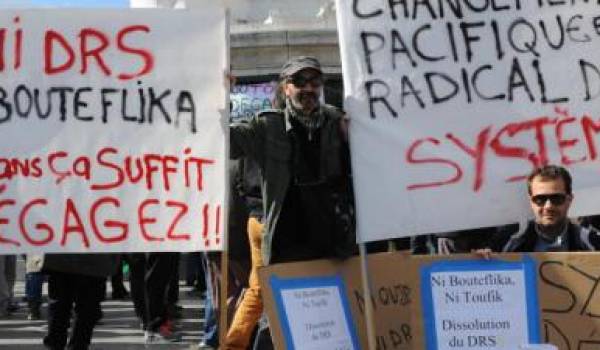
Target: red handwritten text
493,141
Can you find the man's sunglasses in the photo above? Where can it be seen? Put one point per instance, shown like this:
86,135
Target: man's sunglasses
300,81
554,198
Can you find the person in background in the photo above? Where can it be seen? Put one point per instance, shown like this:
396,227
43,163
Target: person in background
212,310
194,273
10,272
250,308
76,282
239,260
4,292
137,273
158,270
210,331
592,221
174,310
119,292
34,280
248,187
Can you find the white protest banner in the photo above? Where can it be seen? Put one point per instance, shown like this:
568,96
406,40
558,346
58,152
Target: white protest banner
480,304
114,126
453,103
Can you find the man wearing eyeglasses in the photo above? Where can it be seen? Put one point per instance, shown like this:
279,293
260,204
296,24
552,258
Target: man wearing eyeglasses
302,154
303,157
550,197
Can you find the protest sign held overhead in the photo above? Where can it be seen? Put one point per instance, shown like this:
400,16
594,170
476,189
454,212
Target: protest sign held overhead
453,103
249,99
113,128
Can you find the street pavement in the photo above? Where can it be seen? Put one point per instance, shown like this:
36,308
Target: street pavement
119,328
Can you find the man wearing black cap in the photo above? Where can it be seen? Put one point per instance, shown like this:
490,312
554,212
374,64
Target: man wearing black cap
303,157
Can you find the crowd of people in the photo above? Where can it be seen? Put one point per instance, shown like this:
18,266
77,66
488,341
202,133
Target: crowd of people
291,199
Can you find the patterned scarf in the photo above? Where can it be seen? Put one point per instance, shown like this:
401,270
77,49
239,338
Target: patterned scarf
312,122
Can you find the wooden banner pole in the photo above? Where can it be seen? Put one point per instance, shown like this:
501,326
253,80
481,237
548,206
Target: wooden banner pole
223,296
366,284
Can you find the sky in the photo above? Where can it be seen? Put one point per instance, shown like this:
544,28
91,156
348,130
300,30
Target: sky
57,3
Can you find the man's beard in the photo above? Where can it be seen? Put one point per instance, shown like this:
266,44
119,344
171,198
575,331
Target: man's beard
305,98
551,231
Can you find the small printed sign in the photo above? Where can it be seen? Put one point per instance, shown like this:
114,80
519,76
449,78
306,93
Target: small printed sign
314,313
480,304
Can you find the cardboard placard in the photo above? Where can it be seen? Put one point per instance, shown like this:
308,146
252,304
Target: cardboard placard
114,129
568,297
392,296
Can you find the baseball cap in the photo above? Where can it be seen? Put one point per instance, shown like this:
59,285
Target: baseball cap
298,63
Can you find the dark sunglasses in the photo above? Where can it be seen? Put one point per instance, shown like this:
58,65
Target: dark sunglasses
554,198
300,81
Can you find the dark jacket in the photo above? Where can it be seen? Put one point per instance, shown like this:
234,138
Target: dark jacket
238,245
578,239
99,265
266,140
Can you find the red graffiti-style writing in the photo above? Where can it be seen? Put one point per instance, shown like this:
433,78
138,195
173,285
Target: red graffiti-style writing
152,171
500,142
146,56
86,36
113,224
182,210
478,153
41,227
100,223
72,216
205,228
92,48
144,220
411,158
18,49
217,224
52,39
5,221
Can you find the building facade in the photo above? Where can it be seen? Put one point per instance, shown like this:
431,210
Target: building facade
264,34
